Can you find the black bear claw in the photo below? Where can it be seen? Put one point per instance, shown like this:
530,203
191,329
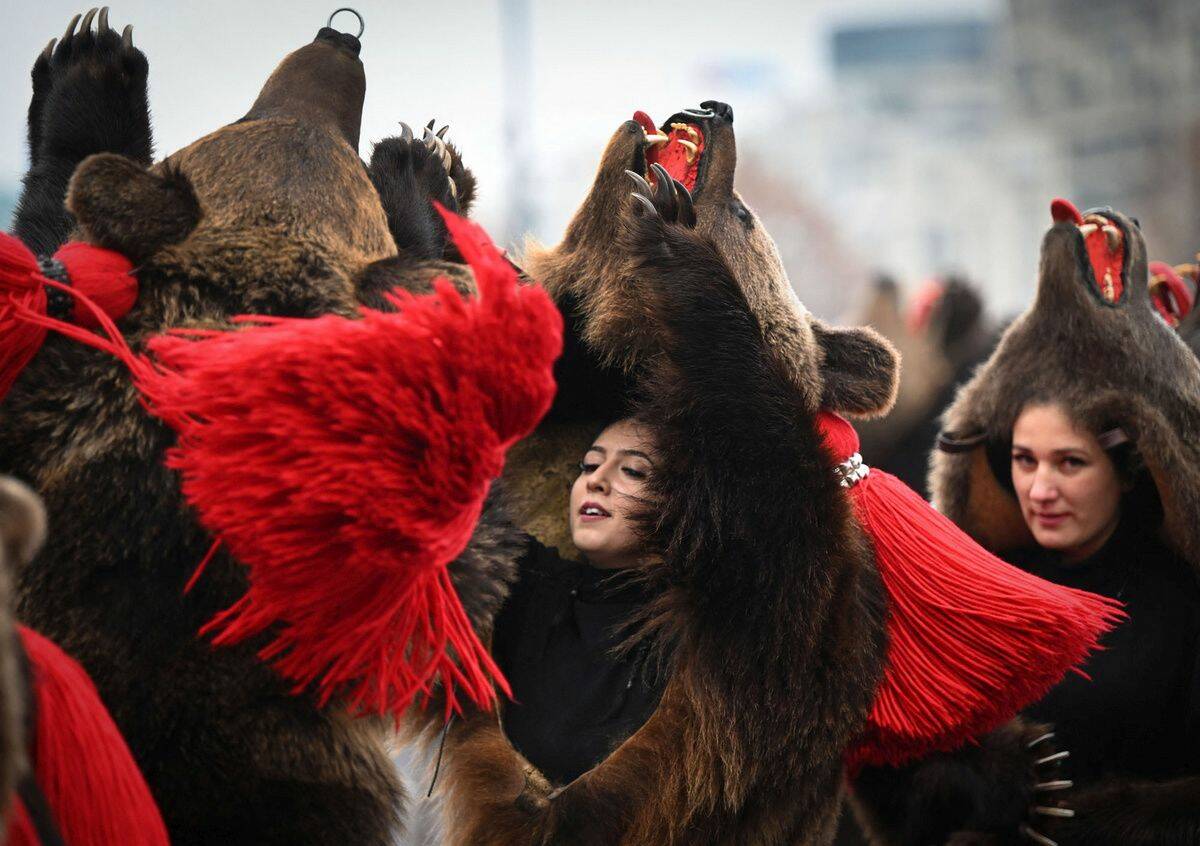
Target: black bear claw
668,198
71,28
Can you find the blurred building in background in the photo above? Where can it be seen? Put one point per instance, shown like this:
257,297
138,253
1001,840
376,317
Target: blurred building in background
1116,86
942,139
917,156
913,140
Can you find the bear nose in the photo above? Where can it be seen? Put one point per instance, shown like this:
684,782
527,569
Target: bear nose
340,39
722,110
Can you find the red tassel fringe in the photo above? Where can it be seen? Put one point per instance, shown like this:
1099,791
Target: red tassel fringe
94,789
103,276
345,463
971,639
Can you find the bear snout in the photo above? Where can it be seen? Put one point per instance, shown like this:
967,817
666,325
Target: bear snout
344,40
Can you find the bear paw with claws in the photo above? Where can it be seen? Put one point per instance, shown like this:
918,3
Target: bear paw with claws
408,173
89,96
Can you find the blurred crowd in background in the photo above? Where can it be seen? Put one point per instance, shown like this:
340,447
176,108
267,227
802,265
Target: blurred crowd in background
910,142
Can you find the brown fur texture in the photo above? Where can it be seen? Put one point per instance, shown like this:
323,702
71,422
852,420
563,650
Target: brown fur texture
985,791
536,488
853,371
767,584
403,168
322,84
274,214
1131,813
89,96
1111,365
128,208
585,267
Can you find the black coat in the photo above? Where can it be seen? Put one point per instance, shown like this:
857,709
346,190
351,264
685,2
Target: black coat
1138,715
576,694
1131,725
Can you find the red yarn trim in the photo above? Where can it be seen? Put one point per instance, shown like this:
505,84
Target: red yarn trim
971,639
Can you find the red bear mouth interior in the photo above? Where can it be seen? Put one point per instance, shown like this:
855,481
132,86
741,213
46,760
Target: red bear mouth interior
1170,295
678,147
1105,244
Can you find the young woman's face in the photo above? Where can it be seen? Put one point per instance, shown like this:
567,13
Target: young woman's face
612,478
1067,485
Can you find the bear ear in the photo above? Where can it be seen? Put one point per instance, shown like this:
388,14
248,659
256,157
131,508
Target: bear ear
22,523
122,206
860,368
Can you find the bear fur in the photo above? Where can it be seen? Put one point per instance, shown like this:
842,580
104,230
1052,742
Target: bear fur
850,370
89,96
1114,364
768,586
983,790
274,214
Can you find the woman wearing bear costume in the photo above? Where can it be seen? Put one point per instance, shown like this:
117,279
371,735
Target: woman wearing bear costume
274,214
1073,453
752,566
576,694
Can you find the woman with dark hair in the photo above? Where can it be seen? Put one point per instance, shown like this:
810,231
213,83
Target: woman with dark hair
1088,509
1073,453
718,657
576,693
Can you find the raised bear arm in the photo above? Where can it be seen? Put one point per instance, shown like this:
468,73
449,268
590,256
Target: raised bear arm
410,172
761,577
89,96
494,797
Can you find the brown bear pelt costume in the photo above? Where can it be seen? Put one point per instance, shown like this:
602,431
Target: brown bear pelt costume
274,214
1113,361
768,584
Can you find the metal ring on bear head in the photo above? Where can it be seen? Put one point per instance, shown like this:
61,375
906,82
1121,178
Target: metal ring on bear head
362,24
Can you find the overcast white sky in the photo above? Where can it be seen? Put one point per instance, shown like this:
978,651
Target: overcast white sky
593,63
